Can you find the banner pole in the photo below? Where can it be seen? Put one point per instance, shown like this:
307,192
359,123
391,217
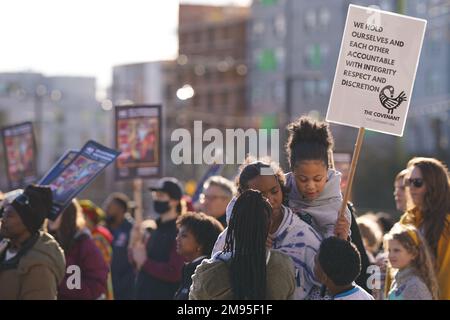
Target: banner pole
351,175
136,236
137,195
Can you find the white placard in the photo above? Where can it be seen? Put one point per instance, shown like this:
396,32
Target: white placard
376,69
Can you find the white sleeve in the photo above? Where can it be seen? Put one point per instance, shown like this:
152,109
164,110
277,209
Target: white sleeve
220,242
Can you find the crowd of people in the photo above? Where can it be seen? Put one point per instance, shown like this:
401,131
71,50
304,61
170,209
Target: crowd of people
267,235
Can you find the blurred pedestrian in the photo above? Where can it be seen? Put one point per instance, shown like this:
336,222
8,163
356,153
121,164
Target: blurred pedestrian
217,193
385,221
32,263
429,189
94,216
158,263
371,235
81,252
246,269
399,191
197,234
120,223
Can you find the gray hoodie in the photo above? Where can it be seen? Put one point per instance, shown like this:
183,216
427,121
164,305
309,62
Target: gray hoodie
322,212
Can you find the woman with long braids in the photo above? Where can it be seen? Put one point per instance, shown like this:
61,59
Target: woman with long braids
245,269
288,233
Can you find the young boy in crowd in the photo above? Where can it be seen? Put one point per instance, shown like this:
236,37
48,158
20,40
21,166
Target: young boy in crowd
338,264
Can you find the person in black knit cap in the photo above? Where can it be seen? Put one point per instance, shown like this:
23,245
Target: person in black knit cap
32,263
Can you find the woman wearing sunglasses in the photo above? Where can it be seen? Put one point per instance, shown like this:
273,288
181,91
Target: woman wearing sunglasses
429,210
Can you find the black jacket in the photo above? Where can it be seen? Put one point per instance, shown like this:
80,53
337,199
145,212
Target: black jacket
160,275
357,241
186,281
122,271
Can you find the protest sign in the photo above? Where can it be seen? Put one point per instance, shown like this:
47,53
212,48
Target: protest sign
138,138
67,183
58,167
376,70
20,154
375,75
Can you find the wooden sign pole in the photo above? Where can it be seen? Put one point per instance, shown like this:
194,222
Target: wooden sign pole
351,175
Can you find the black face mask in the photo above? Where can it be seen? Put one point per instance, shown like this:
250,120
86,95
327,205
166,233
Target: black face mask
161,206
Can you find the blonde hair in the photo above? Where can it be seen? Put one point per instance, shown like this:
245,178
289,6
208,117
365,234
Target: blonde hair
413,242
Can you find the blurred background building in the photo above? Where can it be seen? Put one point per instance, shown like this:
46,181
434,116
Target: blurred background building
64,111
246,67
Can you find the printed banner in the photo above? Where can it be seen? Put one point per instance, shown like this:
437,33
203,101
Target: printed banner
58,167
138,138
69,180
20,154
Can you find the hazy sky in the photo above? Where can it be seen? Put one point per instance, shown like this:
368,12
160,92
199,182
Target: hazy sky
88,37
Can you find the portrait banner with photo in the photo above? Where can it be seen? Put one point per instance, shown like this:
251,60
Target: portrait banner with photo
85,166
58,167
20,154
138,138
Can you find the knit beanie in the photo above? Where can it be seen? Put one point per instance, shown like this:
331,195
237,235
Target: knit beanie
33,206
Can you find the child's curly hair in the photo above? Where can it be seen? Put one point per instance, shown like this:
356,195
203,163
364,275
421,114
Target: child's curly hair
251,168
308,139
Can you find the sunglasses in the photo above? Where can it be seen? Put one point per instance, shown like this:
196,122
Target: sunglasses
415,182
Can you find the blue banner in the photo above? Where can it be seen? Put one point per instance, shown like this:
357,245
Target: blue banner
68,181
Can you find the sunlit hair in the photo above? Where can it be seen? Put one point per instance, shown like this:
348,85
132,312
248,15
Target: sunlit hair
252,168
401,175
204,228
436,203
309,139
246,241
72,221
223,183
413,242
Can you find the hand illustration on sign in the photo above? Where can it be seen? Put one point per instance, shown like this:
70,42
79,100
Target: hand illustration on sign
388,101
